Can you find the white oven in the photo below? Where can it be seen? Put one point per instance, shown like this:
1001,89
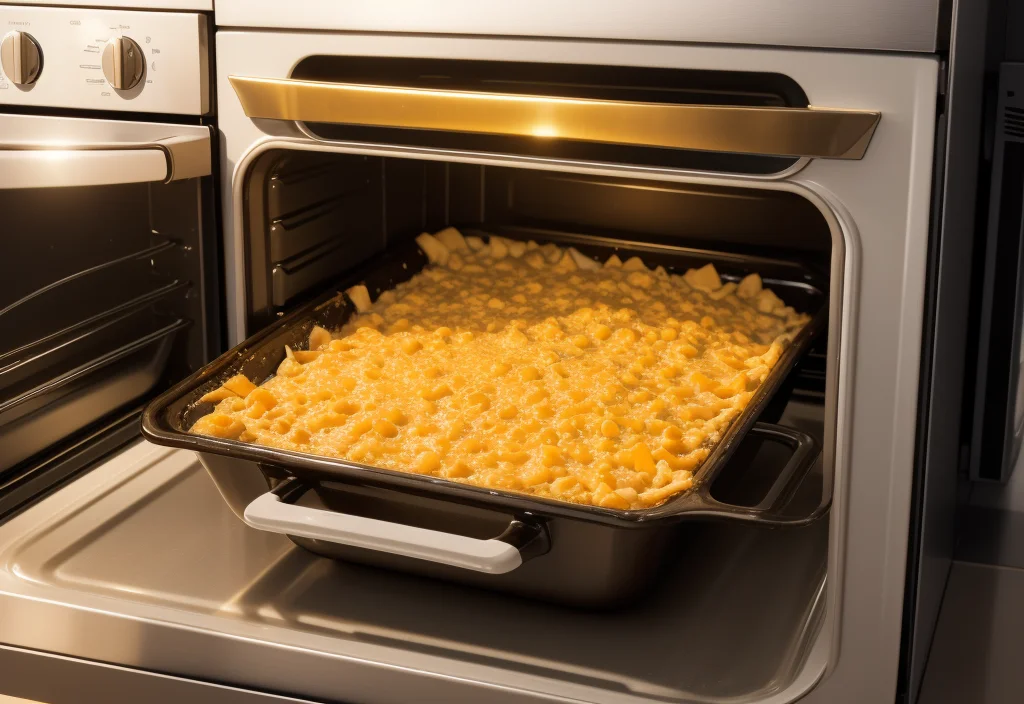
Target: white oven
346,130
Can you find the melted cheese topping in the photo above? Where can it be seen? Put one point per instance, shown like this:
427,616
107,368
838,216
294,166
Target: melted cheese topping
525,368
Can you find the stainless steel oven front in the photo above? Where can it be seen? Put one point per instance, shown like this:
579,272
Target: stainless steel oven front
106,220
397,134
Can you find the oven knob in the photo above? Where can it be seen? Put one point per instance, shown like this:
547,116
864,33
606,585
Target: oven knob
21,58
123,63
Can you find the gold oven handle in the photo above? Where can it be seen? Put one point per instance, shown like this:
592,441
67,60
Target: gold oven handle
797,132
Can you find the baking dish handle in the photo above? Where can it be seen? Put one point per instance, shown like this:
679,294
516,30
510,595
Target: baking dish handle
275,513
771,510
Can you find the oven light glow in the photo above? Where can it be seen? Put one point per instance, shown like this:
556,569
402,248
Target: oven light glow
545,131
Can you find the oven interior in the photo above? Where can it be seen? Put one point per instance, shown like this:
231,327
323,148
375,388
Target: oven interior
311,218
104,303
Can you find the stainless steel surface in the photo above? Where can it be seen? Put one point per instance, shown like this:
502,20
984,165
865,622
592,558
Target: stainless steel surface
46,678
21,58
82,60
890,25
123,63
56,168
801,132
976,654
140,564
43,152
189,155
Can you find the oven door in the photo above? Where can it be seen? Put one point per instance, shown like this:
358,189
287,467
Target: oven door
104,296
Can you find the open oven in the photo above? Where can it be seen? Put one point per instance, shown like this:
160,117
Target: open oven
337,151
343,148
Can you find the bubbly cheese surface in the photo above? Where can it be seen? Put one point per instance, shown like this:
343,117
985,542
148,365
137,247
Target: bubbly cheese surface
525,368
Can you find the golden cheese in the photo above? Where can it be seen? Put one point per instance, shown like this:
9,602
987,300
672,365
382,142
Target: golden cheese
525,368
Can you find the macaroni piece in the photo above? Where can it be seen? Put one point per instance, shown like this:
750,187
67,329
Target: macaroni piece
525,368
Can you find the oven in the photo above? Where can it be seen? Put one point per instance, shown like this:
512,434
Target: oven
343,137
423,133
108,228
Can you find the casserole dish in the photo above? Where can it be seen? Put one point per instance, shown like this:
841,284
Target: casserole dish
546,548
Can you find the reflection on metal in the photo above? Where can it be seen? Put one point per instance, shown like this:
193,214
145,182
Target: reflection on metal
52,168
21,58
775,131
54,164
277,618
123,63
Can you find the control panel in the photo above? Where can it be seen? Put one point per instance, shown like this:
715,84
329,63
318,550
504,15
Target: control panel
92,59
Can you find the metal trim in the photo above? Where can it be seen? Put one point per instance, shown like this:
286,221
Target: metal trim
879,25
55,168
55,165
797,132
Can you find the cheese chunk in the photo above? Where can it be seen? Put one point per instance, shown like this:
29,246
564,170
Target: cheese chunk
436,252
704,279
452,239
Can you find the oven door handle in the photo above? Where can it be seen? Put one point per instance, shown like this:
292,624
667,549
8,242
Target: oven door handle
774,131
49,165
275,513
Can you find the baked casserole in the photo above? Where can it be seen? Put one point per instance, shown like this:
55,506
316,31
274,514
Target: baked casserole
526,368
